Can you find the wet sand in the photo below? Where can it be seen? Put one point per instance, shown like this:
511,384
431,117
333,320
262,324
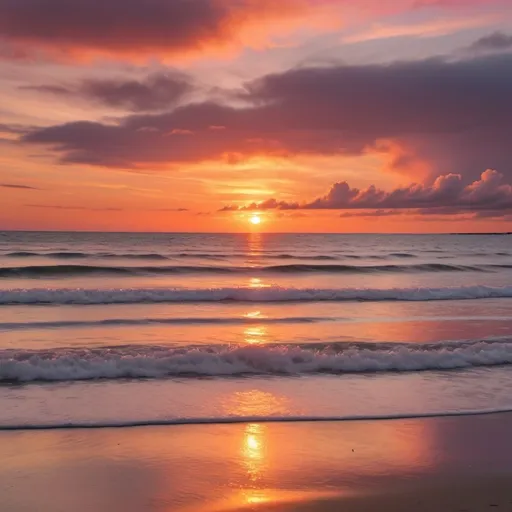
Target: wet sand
454,464
457,495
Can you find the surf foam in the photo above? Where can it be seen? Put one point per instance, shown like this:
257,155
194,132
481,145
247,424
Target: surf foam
242,294
161,362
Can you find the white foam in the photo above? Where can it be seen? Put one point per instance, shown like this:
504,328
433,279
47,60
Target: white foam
161,362
241,294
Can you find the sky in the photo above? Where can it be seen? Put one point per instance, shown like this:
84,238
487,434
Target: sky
308,115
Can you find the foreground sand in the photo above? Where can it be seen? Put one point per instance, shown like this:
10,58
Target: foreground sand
441,464
458,495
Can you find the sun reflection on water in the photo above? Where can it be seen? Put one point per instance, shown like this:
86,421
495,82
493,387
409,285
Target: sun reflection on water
254,244
253,314
256,335
257,282
253,450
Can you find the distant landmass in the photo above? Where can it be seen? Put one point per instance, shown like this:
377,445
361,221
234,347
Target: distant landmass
495,234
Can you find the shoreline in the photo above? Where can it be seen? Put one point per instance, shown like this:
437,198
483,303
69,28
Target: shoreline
243,420
428,465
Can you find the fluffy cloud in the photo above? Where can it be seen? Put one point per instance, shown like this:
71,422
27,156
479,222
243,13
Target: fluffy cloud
159,91
447,195
453,115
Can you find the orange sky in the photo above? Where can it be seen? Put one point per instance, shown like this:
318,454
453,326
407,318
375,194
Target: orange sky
327,115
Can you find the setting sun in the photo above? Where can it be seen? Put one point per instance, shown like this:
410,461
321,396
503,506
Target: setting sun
255,219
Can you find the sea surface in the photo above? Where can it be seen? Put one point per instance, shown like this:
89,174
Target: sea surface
132,329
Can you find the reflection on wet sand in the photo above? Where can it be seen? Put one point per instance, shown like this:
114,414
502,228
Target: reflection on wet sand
253,455
228,467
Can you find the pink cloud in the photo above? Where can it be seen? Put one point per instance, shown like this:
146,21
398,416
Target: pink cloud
447,195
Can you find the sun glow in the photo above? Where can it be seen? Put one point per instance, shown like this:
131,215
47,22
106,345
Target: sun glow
255,220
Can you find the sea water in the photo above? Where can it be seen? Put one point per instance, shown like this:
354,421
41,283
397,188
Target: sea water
128,329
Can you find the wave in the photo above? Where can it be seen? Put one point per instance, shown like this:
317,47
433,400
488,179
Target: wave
224,256
229,256
36,271
242,294
113,322
318,257
83,255
156,362
403,255
230,420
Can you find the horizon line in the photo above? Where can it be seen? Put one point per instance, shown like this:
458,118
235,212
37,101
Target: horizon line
254,232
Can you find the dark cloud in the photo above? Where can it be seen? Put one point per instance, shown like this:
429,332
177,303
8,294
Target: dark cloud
179,210
16,185
12,128
125,26
100,209
497,41
59,90
371,213
447,195
159,91
452,115
62,207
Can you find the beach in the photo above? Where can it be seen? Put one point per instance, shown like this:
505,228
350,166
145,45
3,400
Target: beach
453,464
255,255
189,372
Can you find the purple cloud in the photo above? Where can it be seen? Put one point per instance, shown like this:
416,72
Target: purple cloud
127,27
453,115
63,207
17,185
159,91
100,209
498,41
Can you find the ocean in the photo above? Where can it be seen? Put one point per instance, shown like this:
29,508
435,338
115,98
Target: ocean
117,329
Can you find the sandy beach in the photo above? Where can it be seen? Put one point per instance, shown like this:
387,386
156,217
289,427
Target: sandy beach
453,464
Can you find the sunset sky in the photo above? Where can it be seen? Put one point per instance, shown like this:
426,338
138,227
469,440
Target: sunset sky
314,115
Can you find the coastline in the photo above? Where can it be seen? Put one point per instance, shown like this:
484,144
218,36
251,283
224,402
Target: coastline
459,463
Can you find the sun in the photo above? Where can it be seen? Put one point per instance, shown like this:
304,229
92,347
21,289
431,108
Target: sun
255,219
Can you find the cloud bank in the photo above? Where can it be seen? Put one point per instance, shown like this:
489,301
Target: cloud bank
145,28
131,27
453,116
447,195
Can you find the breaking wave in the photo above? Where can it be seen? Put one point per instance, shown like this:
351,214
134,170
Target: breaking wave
154,362
241,294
